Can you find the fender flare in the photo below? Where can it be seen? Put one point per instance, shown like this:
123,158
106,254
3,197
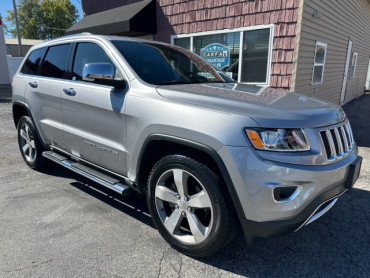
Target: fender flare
200,147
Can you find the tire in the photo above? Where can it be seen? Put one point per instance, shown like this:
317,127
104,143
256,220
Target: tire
209,223
29,144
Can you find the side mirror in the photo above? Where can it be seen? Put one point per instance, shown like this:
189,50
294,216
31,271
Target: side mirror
101,73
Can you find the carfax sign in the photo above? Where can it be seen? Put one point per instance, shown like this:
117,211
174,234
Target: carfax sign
216,54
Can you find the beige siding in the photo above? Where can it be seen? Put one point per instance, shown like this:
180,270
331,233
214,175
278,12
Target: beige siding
341,20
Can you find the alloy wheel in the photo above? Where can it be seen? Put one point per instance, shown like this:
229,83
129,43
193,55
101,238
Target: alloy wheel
184,206
27,143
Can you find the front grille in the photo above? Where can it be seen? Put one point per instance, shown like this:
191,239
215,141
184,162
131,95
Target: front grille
338,141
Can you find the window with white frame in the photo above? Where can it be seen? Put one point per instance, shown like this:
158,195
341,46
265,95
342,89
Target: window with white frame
249,51
319,63
353,65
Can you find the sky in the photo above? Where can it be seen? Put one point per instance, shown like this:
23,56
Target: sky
8,5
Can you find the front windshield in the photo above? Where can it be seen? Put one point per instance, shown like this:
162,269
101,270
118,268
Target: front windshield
160,64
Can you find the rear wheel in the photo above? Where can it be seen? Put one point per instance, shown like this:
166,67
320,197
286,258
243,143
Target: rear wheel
29,143
187,206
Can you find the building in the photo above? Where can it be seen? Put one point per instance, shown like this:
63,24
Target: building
317,48
12,47
4,74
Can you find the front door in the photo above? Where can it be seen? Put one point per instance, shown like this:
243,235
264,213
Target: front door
93,114
346,70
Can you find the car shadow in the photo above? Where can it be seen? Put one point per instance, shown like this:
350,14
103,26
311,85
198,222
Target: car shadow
358,113
335,245
133,204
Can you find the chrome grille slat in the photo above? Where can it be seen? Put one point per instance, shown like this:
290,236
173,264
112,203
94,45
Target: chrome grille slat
340,143
350,133
337,141
331,145
349,137
346,146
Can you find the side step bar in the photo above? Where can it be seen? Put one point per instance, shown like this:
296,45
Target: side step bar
88,172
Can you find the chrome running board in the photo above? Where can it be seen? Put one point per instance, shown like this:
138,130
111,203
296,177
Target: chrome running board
320,211
88,172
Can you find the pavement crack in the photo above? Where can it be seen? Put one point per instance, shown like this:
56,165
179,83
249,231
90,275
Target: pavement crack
180,268
65,259
161,260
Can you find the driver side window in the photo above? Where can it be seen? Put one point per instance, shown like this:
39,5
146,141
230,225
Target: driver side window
87,52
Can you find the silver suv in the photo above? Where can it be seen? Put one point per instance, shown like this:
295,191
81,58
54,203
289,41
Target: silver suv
211,155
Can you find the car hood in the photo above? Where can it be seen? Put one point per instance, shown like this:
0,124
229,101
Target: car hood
267,106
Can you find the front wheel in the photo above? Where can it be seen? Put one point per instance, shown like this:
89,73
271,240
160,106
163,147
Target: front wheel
187,206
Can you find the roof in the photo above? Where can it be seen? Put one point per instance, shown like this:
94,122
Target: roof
133,19
24,41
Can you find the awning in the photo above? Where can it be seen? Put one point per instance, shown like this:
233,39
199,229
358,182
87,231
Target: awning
131,20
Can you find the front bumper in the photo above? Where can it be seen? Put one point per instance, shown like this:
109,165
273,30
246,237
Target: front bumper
259,230
254,179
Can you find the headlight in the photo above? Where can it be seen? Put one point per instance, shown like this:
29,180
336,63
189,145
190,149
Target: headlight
278,139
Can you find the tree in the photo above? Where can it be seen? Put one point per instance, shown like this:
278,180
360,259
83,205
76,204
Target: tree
45,19
3,23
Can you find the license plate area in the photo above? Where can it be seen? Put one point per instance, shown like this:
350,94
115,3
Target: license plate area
354,172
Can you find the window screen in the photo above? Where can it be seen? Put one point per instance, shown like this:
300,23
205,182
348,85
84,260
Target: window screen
182,42
255,56
56,60
32,64
88,53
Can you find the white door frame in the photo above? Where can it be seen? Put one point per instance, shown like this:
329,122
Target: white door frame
346,68
368,78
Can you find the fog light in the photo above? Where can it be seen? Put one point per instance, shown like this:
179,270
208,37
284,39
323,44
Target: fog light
284,194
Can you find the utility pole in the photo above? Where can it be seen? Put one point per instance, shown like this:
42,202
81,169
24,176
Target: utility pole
17,25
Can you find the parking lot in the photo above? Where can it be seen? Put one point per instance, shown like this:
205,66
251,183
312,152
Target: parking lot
54,223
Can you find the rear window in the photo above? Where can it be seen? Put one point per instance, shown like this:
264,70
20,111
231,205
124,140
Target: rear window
33,62
56,60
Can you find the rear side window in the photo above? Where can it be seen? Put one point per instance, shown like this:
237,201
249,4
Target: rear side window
33,62
56,60
86,53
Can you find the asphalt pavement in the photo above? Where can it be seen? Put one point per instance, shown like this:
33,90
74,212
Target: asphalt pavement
54,223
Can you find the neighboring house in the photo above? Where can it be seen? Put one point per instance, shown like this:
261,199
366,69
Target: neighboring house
4,75
317,48
12,47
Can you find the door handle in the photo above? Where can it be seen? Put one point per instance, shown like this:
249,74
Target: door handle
69,92
33,84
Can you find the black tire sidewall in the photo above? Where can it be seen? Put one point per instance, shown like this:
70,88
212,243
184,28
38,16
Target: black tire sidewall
217,237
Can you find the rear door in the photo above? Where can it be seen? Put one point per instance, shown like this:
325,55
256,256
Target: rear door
43,94
93,114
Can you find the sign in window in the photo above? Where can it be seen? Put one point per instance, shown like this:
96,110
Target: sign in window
216,54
